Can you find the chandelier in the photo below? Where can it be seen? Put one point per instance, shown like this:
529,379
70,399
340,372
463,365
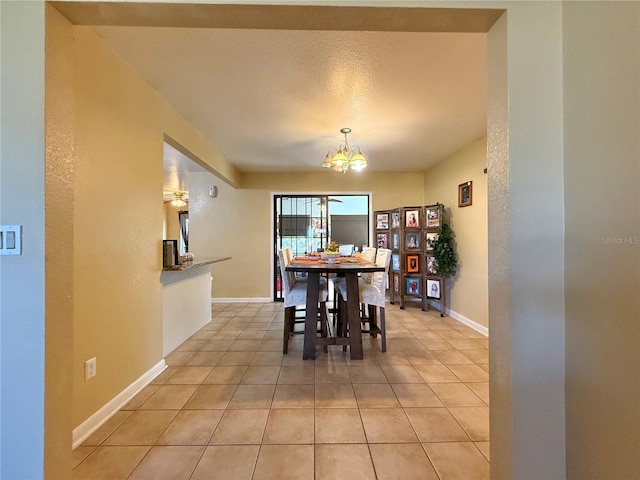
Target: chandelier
178,199
345,157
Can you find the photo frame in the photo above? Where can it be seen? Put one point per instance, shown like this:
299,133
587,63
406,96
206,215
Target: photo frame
433,216
395,219
433,288
465,194
412,241
395,262
170,256
382,221
382,240
429,240
396,283
412,218
396,241
413,286
413,263
432,267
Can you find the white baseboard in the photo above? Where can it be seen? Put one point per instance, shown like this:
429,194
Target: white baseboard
95,421
462,319
242,300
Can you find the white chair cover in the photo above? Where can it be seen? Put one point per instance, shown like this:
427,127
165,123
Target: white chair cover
368,254
372,293
295,293
346,250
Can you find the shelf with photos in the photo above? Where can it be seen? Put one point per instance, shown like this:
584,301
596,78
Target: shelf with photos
410,233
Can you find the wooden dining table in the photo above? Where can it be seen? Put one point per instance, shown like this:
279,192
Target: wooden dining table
350,267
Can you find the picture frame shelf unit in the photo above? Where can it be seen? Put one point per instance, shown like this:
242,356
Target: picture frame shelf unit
410,235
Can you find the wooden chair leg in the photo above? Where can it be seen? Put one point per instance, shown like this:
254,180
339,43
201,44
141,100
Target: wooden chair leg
343,321
289,318
383,332
373,321
324,323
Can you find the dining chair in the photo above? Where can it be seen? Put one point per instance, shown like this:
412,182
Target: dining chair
371,294
346,249
369,255
296,278
295,294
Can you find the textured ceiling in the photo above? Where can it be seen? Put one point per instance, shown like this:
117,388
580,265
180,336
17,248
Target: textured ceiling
276,99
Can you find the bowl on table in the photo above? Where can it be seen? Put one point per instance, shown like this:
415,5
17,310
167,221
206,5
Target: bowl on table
329,257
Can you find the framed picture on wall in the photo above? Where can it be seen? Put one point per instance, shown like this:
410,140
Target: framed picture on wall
432,268
395,262
412,219
433,288
396,241
396,283
413,263
412,241
395,219
465,194
433,216
429,240
382,221
413,286
382,240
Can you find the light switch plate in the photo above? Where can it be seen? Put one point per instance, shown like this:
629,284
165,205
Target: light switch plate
10,239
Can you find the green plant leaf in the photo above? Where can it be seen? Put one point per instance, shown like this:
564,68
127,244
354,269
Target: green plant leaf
445,253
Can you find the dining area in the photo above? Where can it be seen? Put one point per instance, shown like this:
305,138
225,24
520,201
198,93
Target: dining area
334,295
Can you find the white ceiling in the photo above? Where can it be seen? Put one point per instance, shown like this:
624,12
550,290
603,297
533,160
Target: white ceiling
277,99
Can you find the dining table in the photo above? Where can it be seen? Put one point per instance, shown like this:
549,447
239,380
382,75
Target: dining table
349,267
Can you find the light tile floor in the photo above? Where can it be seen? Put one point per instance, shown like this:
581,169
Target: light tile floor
231,406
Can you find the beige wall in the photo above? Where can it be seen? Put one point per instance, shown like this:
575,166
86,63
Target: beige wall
389,189
602,200
468,294
238,223
116,250
117,295
59,193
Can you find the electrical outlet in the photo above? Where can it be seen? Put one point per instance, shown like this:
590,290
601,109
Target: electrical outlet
90,369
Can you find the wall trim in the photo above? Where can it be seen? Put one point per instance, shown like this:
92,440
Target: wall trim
242,300
462,319
95,421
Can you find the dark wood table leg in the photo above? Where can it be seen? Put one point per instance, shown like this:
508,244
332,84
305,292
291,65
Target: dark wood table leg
353,316
311,318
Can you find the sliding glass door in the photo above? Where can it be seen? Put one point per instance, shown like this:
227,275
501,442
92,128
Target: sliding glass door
306,223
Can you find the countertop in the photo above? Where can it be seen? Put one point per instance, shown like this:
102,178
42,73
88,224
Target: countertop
197,262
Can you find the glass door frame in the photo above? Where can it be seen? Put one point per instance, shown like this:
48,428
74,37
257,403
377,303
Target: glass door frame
275,245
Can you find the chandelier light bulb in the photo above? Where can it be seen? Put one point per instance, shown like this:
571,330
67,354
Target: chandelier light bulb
345,157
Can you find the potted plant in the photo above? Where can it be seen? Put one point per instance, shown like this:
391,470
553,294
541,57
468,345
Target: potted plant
444,253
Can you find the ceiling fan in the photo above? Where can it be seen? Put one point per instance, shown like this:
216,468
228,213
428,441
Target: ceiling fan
320,200
177,198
